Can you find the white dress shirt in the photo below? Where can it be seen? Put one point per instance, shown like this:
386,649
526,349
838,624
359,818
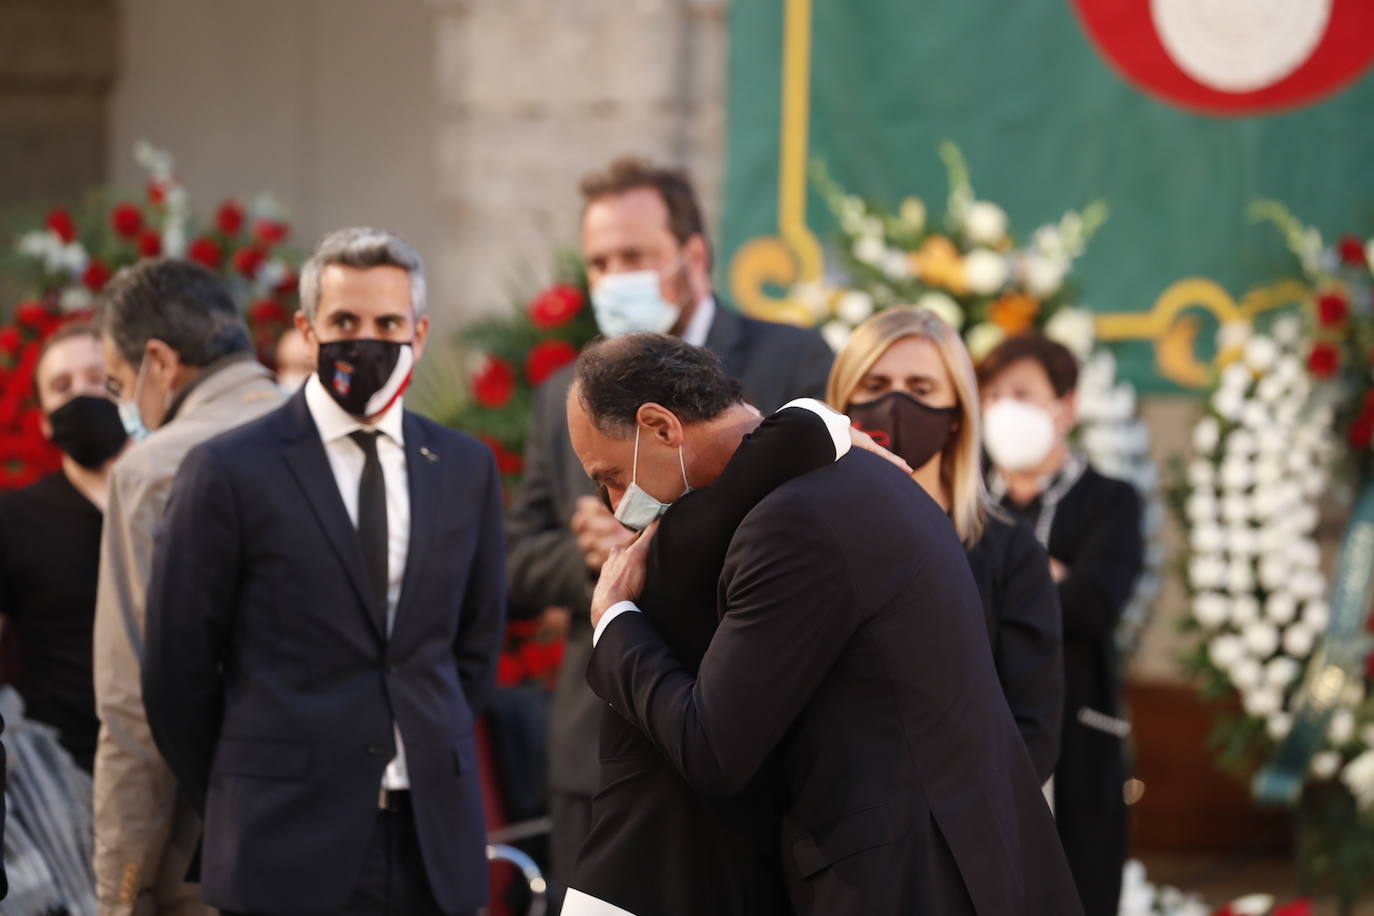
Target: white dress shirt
838,426
699,325
346,460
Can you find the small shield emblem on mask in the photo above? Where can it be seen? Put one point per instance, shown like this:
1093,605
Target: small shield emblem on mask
343,378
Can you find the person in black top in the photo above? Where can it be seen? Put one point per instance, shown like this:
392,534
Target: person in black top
50,541
905,377
1090,526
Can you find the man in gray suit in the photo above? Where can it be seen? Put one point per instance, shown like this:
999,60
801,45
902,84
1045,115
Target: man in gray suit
649,268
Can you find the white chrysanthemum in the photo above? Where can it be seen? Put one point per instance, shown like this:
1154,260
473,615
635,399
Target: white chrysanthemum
1207,571
1207,538
1270,389
1287,330
943,305
1314,482
1229,403
985,223
1236,475
272,272
1268,472
1261,638
75,299
1273,570
1244,610
1263,702
1367,735
174,240
1325,764
1261,353
1316,614
1245,674
815,297
1201,474
870,250
1043,277
1279,725
1225,651
1210,609
836,333
984,271
72,258
1304,554
1242,540
896,265
1233,334
1201,507
1280,608
1235,378
1342,727
982,338
1074,328
1282,671
872,225
1256,416
1298,640
913,212
1206,435
1241,442
1240,577
1359,779
1308,584
854,307
40,244
1236,508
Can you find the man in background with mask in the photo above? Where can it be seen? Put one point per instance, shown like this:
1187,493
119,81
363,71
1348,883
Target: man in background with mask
325,613
50,540
181,363
649,269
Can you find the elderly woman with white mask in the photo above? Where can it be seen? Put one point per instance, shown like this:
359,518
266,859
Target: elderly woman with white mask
1090,527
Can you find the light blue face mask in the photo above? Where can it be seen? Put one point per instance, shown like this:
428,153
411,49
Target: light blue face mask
630,303
130,415
637,509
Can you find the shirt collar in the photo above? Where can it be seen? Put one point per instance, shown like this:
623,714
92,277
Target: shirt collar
699,325
335,423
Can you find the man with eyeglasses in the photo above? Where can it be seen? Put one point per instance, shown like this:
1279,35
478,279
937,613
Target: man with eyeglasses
181,368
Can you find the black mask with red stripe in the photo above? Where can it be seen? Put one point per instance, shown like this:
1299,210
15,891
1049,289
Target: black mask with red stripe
906,427
366,376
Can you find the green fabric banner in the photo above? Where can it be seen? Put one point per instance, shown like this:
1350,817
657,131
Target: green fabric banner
1040,106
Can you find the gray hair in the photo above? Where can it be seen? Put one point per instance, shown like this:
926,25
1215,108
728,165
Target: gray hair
361,247
177,302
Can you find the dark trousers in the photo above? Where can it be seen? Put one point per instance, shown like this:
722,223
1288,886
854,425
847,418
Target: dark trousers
392,881
572,821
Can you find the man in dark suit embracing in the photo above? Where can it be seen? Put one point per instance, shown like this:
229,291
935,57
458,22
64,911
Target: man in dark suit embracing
324,617
851,653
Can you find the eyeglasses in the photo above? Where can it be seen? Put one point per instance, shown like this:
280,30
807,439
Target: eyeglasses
114,387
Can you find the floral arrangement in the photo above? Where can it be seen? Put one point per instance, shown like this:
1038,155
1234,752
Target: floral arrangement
1140,897
1289,420
968,268
69,260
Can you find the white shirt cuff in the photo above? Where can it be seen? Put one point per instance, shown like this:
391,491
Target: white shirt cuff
612,613
836,422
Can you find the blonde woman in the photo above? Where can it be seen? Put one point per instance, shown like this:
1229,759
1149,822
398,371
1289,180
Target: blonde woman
905,378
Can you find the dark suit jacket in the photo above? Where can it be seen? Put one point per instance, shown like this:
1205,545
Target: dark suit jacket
270,687
1021,606
656,848
852,645
775,363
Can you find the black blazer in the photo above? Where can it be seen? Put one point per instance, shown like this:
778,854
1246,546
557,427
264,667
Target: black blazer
270,687
656,848
852,645
1021,607
544,566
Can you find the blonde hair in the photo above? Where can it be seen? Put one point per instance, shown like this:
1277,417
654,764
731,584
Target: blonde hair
961,463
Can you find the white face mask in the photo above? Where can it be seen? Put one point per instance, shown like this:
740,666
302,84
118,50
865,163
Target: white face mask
637,509
629,303
1018,436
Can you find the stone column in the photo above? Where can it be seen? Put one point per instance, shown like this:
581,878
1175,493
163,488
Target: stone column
534,93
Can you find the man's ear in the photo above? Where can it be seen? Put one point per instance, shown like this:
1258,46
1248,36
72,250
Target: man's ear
420,336
696,252
660,423
162,360
1069,410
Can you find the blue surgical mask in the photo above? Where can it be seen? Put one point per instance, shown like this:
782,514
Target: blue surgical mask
629,303
637,509
132,420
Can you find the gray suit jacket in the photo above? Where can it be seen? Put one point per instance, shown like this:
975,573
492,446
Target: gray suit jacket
544,566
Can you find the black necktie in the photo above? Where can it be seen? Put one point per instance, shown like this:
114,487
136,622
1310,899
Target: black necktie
372,521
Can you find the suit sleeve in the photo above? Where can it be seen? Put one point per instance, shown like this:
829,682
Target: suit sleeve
191,601
788,616
482,619
1103,574
544,565
1030,648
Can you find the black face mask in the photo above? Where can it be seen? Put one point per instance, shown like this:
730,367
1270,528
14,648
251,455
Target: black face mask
901,424
365,377
88,429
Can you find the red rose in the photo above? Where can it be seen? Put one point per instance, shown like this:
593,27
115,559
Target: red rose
248,260
508,462
267,311
157,193
96,275
546,358
555,306
126,219
32,313
229,217
494,384
60,221
10,339
149,243
288,282
1351,250
1324,360
205,250
1300,907
1362,431
268,232
1332,308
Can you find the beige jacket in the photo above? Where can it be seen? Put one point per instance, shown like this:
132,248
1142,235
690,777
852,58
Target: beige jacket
144,833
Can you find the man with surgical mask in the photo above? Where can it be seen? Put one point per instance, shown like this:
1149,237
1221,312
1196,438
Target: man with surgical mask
324,618
649,269
50,540
180,363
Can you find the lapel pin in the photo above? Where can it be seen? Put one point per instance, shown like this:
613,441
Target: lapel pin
428,454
